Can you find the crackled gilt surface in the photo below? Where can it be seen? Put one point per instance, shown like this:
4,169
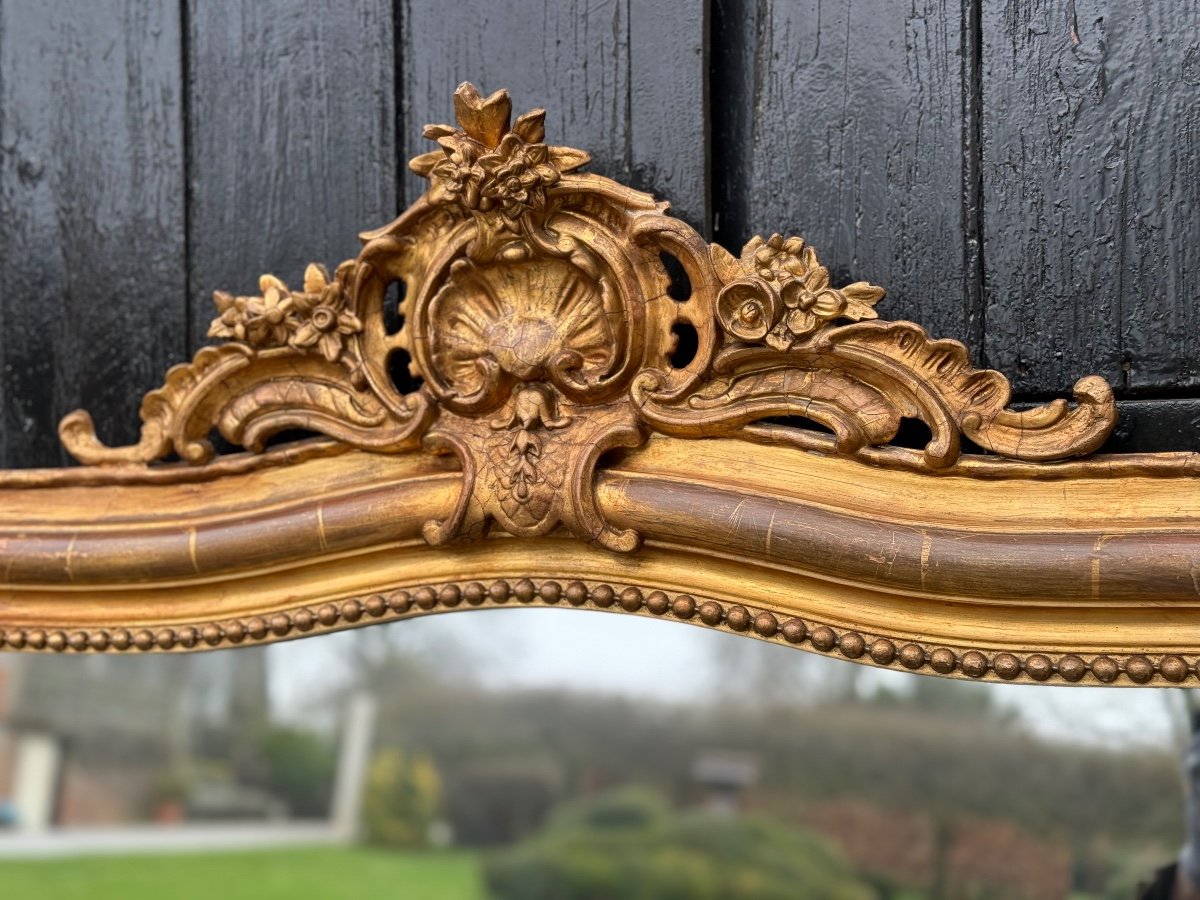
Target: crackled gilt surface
537,318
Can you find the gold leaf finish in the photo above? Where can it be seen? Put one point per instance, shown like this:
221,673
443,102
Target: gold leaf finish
537,314
629,443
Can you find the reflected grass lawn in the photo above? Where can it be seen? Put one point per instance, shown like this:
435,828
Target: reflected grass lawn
293,874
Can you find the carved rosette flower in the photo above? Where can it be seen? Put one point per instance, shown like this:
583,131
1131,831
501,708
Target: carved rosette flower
456,177
318,319
518,174
778,293
325,318
487,168
535,309
265,321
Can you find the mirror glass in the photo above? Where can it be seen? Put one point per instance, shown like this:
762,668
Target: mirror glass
482,756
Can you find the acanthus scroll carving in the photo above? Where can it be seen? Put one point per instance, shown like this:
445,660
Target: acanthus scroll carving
537,316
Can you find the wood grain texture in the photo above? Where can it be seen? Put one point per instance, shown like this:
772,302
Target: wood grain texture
1091,163
291,127
539,319
1082,579
843,122
91,214
623,78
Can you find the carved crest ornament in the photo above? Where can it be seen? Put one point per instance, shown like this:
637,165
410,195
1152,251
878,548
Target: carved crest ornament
518,338
536,313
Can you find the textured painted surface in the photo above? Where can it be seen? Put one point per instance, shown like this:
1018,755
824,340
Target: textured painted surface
1024,176
1156,426
622,79
1091,162
292,138
843,122
91,215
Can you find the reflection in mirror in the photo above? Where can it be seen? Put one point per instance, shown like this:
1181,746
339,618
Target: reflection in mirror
477,756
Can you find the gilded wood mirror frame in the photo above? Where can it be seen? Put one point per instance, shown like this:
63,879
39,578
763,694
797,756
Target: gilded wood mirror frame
587,432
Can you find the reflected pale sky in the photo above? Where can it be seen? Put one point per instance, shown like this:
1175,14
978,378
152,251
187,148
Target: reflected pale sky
639,657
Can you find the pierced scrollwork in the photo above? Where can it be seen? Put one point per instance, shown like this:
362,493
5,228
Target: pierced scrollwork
536,314
292,361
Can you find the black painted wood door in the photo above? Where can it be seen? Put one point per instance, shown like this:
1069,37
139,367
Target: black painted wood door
1024,176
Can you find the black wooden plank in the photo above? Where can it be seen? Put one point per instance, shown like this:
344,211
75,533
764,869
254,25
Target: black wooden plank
669,105
1091,139
1156,426
291,126
624,81
845,122
91,216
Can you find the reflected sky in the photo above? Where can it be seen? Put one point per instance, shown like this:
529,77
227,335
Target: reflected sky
640,657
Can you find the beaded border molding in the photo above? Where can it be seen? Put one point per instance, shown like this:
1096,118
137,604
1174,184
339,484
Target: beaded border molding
508,379
738,619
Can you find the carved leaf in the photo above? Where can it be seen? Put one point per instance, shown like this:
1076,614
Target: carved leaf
538,316
771,385
950,395
296,404
167,413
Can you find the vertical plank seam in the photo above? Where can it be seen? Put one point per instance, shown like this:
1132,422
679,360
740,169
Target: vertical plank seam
719,107
5,396
398,99
706,168
974,272
185,108
627,162
759,71
1124,356
730,162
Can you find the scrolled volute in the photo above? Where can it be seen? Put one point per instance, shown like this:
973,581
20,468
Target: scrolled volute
538,319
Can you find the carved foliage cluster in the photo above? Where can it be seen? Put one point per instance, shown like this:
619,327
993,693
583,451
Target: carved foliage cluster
777,293
537,316
320,317
484,166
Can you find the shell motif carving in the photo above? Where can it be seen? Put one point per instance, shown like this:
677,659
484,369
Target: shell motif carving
536,315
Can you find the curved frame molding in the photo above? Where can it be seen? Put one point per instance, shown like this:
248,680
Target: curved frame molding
585,432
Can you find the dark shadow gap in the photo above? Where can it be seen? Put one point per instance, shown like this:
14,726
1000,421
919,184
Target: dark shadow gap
733,27
798,422
974,273
402,379
687,344
393,321
680,287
